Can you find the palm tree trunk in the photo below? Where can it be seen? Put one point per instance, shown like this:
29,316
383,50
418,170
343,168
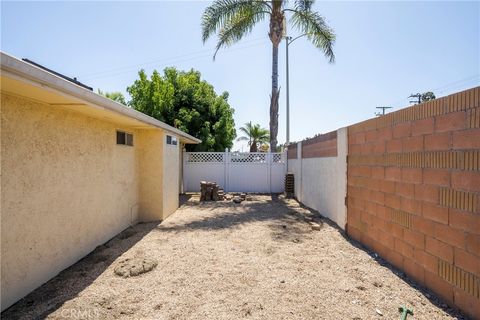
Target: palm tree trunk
253,146
274,100
275,34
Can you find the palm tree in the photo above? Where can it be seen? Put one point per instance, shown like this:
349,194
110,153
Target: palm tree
233,19
255,135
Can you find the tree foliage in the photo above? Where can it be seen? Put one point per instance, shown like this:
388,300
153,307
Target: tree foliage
427,96
185,101
115,96
255,135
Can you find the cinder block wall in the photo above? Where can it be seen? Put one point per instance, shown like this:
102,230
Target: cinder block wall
414,193
324,145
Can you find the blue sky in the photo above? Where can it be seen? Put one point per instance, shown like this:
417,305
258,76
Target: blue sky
384,52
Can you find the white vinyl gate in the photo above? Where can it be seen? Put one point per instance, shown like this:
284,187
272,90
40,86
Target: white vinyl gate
235,171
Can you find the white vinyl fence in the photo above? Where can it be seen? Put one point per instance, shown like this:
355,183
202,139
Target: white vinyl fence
235,171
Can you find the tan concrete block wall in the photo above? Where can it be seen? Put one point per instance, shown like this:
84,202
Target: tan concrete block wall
292,151
324,145
66,186
414,193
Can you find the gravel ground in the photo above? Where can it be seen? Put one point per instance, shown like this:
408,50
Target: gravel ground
258,260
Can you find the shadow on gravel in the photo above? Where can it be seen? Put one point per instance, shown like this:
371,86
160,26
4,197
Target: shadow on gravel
427,293
70,282
288,221
430,295
274,209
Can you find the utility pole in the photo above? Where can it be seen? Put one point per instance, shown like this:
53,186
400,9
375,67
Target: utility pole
288,41
383,111
250,136
418,96
287,142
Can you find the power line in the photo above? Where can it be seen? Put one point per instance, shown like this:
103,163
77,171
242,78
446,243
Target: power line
178,61
456,83
459,85
417,96
446,87
160,60
163,60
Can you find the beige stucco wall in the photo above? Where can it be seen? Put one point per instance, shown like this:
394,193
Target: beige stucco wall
150,170
171,163
67,187
159,180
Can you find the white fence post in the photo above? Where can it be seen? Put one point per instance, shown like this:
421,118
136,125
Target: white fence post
269,162
226,160
184,176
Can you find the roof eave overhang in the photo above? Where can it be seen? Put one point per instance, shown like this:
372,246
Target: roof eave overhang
34,74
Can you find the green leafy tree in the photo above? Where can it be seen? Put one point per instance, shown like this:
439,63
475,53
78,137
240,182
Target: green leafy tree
115,96
185,101
427,96
281,147
234,19
255,135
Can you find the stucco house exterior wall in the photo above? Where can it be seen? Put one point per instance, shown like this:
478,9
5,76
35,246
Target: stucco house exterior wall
66,185
66,188
150,171
171,178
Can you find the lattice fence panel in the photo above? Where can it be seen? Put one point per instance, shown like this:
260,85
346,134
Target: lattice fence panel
248,158
278,158
208,157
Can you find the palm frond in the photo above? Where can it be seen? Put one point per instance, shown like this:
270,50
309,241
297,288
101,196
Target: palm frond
317,31
254,133
303,5
247,129
239,25
222,11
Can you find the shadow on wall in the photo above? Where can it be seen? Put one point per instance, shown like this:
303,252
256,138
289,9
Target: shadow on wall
70,282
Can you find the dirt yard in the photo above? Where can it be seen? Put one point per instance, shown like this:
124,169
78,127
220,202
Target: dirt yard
256,260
